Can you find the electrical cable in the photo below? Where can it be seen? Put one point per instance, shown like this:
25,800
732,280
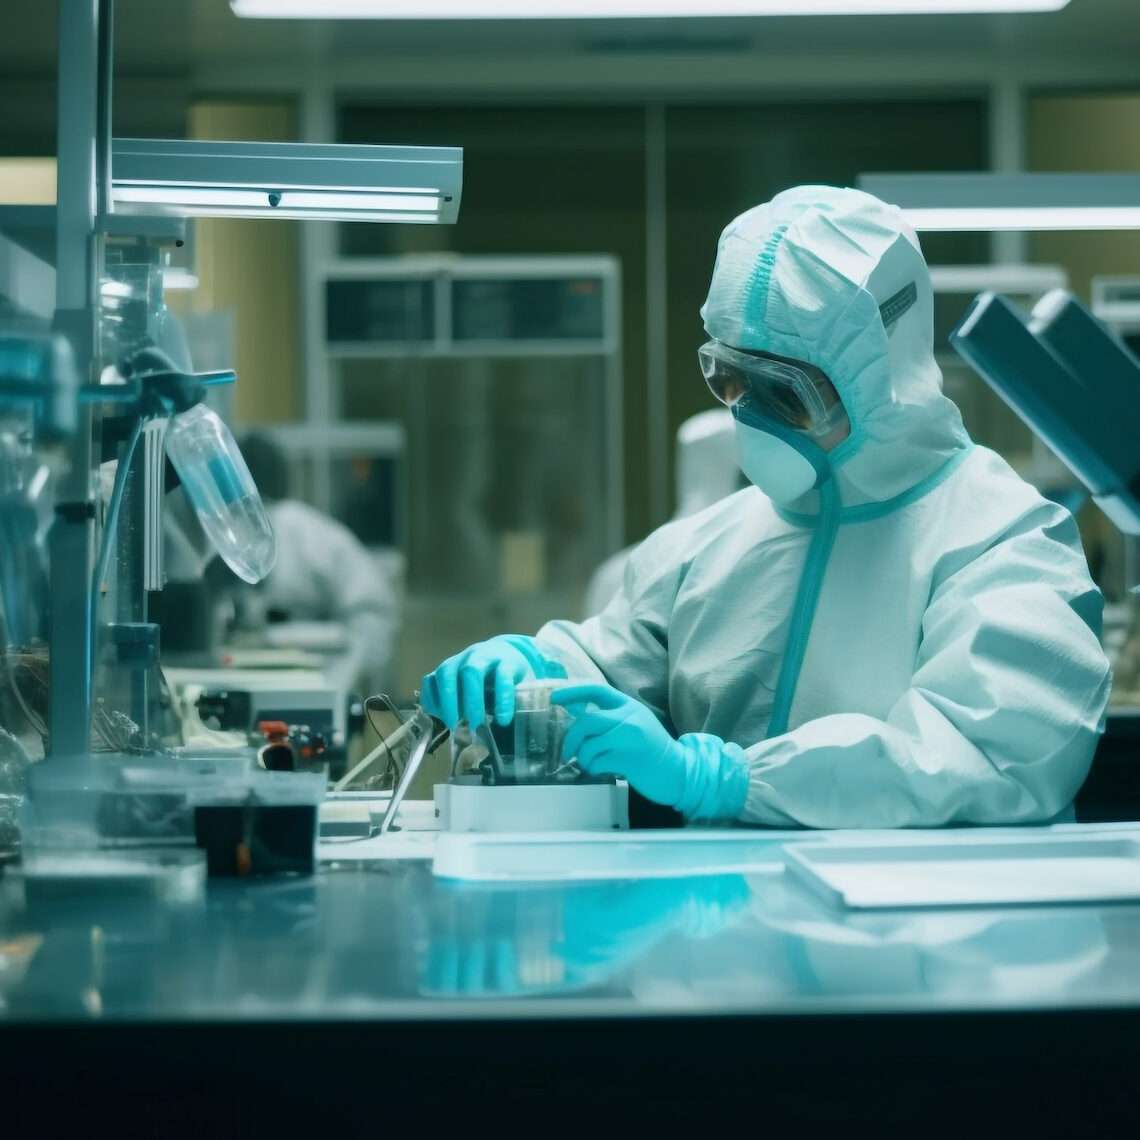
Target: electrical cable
393,769
34,720
383,748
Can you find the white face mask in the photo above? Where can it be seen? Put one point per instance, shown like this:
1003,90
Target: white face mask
773,465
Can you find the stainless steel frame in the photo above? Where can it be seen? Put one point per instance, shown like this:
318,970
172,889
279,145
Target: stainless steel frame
83,114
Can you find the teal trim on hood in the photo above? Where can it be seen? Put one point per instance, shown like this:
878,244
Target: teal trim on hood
762,274
806,603
866,512
805,276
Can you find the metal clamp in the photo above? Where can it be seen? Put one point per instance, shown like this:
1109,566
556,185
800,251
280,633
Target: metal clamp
415,759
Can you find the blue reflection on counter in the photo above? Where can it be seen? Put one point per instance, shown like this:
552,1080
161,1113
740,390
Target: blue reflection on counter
491,941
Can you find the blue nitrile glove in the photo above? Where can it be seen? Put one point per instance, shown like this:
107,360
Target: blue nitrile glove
613,734
455,691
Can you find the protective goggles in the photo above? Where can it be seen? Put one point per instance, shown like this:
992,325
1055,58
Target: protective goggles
772,388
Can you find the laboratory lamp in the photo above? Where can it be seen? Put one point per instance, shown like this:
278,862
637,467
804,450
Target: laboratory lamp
1011,201
307,181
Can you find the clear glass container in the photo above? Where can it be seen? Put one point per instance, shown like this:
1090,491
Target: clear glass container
222,491
526,751
539,731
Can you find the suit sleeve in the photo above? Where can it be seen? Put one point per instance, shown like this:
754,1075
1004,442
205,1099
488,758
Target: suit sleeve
1001,719
626,645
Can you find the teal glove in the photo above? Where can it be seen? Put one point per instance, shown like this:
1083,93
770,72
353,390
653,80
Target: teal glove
456,690
614,734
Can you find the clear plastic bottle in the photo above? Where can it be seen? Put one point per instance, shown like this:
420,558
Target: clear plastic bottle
222,492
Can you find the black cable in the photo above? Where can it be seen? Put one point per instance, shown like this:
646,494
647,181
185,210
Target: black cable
393,768
368,717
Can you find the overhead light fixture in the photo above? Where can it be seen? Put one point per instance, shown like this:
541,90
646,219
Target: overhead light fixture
625,9
198,179
1011,201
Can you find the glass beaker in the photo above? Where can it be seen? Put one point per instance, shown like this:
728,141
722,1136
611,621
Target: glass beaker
526,751
540,728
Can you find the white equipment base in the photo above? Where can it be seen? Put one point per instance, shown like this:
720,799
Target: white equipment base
533,807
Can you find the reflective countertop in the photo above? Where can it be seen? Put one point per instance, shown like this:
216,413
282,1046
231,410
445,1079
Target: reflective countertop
390,941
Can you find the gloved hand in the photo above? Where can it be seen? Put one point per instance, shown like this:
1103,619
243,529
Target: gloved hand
614,734
455,691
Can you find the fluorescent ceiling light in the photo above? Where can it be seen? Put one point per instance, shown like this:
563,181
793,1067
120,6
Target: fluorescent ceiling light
1011,201
286,180
597,9
1116,301
280,203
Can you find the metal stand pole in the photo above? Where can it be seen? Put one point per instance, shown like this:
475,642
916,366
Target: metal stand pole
83,160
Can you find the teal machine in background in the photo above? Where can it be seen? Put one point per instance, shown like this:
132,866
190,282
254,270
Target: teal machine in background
1076,383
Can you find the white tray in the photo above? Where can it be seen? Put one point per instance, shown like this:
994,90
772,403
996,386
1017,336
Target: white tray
590,855
971,871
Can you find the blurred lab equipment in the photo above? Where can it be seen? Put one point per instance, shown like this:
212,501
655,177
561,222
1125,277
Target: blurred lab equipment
37,390
354,472
212,700
324,576
25,485
1116,303
505,373
1074,381
128,396
36,370
706,471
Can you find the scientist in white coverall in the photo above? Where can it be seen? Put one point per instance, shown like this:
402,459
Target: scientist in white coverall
889,629
323,574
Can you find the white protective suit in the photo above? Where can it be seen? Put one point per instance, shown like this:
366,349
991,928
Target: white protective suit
706,471
916,642
324,573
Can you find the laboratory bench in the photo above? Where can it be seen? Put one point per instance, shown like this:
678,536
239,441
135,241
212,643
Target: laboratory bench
374,992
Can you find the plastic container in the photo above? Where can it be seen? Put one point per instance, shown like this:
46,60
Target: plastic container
526,751
222,492
98,802
539,730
